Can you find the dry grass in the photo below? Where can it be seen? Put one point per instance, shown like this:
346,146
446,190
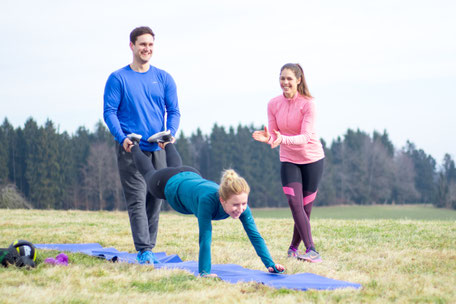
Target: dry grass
402,261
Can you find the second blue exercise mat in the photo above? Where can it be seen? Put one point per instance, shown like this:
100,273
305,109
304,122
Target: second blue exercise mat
228,272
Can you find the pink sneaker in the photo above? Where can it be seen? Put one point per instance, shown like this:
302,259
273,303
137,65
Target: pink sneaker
311,256
293,253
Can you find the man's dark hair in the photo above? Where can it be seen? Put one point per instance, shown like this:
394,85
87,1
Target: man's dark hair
140,31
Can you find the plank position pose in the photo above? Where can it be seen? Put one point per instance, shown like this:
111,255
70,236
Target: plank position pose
188,193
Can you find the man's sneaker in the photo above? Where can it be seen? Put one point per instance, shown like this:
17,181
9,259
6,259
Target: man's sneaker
310,256
146,257
161,137
293,253
135,138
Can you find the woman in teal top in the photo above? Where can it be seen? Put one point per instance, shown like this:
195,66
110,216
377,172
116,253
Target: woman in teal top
188,193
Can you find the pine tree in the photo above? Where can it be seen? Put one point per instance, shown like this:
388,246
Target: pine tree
200,153
50,192
20,166
102,134
9,138
327,191
356,163
339,174
265,174
67,177
183,146
4,170
218,153
80,146
425,173
33,174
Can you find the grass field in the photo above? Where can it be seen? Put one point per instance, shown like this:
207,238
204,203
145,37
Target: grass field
412,212
408,259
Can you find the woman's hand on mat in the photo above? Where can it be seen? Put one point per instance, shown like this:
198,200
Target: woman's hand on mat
262,136
276,269
278,140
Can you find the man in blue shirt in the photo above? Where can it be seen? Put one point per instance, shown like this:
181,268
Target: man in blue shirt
138,98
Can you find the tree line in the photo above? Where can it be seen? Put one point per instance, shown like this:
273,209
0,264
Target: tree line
54,170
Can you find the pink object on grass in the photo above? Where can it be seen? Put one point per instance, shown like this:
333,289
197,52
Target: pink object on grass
60,259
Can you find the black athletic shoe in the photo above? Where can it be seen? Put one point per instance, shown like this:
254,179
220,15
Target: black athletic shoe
161,137
135,138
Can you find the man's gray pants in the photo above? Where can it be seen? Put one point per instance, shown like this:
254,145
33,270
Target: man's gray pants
143,208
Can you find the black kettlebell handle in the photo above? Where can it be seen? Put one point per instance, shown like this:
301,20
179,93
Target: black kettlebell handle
27,261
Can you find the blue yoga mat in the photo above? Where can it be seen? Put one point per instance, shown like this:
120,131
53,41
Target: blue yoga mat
227,272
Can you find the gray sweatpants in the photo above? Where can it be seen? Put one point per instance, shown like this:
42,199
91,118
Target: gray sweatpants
143,208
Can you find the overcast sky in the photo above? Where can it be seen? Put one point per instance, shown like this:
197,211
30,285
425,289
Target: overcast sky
373,65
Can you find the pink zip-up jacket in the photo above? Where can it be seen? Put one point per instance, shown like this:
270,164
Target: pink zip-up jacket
294,119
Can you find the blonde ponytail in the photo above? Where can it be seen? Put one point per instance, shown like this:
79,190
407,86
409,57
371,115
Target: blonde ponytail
232,184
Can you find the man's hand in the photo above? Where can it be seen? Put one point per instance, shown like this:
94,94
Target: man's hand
127,144
163,144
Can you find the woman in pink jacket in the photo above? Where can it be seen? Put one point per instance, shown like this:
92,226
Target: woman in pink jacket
291,118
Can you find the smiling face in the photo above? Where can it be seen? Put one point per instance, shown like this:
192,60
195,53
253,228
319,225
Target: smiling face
142,49
235,205
289,83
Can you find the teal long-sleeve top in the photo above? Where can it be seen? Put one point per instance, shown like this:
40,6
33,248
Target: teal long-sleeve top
189,193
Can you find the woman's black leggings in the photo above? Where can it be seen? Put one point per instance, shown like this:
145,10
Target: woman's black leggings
156,179
300,184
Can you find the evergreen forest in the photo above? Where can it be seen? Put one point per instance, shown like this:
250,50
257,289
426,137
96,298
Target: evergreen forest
48,169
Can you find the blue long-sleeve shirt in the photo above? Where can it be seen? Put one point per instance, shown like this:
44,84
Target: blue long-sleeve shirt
137,103
189,193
